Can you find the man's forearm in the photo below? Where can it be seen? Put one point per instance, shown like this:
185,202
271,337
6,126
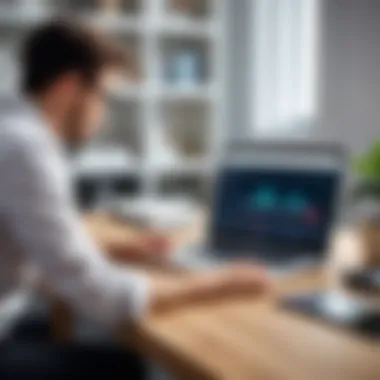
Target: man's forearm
119,242
203,286
172,292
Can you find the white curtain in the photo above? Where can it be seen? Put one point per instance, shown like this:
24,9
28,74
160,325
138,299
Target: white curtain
285,55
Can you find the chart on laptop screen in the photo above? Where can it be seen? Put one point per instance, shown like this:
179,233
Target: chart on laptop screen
269,208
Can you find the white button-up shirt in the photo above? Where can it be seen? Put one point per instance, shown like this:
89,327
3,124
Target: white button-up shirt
40,227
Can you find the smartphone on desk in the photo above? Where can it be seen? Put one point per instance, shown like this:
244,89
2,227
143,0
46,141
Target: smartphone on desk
364,281
338,309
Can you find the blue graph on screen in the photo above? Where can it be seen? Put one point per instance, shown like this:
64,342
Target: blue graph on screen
269,199
275,207
265,198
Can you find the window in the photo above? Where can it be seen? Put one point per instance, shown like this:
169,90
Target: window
283,85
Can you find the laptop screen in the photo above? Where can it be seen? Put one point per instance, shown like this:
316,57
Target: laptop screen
277,210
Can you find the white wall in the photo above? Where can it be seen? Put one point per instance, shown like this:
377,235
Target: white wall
350,72
349,82
238,65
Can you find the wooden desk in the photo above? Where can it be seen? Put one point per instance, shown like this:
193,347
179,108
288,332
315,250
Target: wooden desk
248,339
251,339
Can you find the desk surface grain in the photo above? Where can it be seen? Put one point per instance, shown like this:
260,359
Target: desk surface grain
254,339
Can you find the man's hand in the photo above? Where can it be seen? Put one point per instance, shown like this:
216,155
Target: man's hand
240,279
147,247
235,280
124,243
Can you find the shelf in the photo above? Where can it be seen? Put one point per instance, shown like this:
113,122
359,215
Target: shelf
188,187
110,160
178,94
179,27
126,23
126,91
96,172
182,167
174,94
13,18
169,94
104,7
171,84
167,26
81,171
115,23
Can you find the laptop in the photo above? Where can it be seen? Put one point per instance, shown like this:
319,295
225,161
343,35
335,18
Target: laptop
274,203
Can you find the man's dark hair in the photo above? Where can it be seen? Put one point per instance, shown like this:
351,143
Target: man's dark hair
60,47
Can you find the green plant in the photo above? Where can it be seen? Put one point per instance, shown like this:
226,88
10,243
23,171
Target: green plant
367,167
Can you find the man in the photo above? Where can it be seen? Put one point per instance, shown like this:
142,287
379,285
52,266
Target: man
66,74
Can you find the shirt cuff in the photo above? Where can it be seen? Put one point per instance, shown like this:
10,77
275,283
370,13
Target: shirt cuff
138,296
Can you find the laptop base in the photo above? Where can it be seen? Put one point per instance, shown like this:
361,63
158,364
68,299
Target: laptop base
197,259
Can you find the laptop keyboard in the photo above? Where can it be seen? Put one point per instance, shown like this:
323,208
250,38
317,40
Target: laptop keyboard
196,259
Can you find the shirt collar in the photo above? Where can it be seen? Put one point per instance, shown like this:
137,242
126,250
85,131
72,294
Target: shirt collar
32,112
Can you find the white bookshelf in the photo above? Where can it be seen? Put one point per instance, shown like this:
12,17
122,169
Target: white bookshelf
144,108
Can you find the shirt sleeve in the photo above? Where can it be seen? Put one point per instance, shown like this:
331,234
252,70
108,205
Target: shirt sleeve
43,221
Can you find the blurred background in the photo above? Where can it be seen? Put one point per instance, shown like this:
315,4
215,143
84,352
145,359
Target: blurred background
205,72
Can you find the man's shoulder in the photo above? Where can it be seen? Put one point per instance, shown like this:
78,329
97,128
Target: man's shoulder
18,129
